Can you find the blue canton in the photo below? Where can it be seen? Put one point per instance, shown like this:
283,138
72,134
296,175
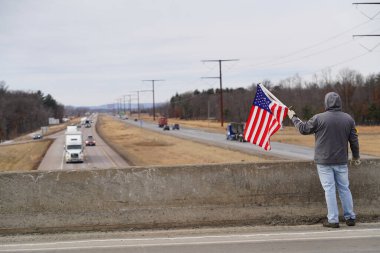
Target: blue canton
261,100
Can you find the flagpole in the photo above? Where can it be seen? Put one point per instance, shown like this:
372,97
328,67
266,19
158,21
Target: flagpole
270,94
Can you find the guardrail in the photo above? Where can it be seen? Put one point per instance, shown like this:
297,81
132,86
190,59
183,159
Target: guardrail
176,196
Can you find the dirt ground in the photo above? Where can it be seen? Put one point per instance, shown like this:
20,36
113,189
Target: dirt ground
144,147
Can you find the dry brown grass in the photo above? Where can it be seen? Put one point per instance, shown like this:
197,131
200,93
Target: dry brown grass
144,147
369,140
24,156
369,136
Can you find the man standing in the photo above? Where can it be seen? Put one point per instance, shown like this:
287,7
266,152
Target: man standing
333,130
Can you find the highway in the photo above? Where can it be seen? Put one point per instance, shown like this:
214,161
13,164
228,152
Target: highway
279,150
307,239
99,156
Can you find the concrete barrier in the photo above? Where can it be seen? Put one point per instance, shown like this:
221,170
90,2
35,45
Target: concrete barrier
176,196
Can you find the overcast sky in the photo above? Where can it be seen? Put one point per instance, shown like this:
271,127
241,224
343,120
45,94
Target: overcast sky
92,52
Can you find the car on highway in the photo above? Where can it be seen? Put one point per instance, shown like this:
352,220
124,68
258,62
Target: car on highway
37,136
90,141
166,128
175,127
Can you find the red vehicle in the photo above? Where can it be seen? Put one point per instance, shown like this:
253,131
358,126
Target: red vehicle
163,121
90,141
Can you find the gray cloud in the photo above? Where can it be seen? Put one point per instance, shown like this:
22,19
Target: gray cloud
103,49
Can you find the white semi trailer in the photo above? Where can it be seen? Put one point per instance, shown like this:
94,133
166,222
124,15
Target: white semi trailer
74,148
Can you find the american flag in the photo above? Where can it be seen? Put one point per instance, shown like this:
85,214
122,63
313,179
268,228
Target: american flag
264,119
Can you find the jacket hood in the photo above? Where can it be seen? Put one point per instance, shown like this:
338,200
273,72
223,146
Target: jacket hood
333,102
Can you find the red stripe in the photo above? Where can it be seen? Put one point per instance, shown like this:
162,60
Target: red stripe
266,131
269,128
255,119
261,125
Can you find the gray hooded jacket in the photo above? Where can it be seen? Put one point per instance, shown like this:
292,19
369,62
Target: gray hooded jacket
333,130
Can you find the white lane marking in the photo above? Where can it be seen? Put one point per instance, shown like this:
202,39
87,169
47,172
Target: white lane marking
107,155
63,158
174,241
187,243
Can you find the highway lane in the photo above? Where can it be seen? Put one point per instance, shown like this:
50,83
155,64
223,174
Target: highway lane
99,156
307,239
279,150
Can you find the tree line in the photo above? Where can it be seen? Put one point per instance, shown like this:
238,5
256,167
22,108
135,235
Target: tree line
22,112
360,98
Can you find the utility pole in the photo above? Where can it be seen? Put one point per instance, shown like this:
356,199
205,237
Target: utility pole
367,3
124,104
154,108
138,101
117,106
368,35
120,105
130,110
220,83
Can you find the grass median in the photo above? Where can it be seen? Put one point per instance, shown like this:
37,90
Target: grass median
144,147
23,156
369,136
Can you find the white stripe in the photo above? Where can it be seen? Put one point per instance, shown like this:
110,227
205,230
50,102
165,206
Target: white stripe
270,132
194,243
250,123
256,126
226,239
264,126
275,110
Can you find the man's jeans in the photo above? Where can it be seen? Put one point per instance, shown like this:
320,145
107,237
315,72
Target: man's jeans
331,175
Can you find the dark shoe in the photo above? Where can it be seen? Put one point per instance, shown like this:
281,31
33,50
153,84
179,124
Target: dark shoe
350,222
330,225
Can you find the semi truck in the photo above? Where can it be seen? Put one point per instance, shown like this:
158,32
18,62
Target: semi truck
74,148
162,121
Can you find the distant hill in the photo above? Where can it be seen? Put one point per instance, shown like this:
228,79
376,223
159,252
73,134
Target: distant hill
114,106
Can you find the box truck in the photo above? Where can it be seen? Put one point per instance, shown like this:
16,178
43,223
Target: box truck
74,148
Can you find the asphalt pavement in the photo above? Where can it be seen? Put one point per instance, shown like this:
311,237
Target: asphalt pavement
279,150
99,156
286,239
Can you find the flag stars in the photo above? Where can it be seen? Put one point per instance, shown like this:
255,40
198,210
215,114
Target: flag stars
262,100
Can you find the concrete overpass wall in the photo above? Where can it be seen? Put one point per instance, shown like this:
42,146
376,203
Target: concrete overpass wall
178,196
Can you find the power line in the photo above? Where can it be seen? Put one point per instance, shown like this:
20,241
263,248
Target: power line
220,82
154,108
311,46
368,35
309,55
138,100
367,3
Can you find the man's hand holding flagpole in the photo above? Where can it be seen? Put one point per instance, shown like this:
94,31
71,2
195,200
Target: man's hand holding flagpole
270,94
291,113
